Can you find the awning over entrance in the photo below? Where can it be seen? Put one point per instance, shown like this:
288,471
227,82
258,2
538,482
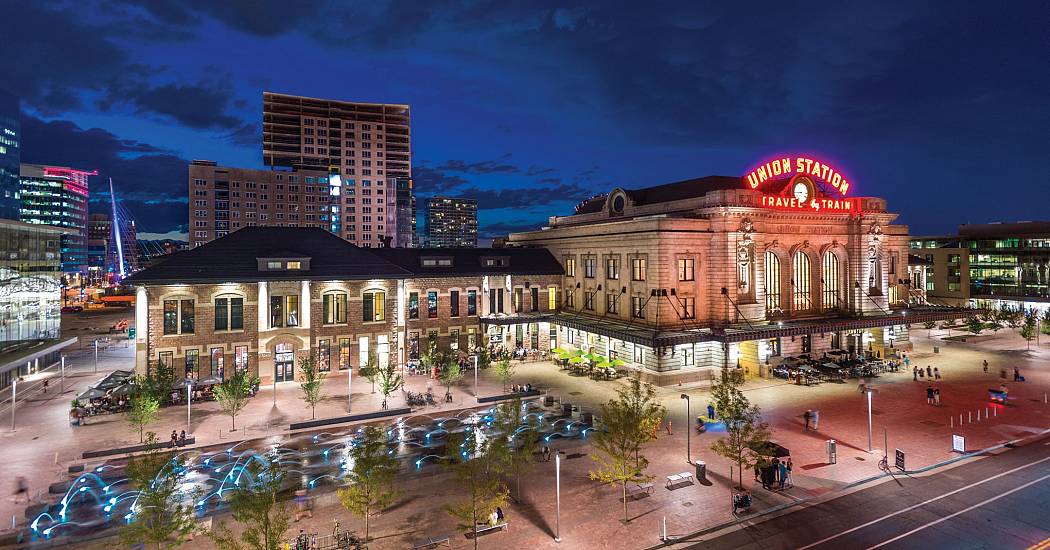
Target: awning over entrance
516,318
653,338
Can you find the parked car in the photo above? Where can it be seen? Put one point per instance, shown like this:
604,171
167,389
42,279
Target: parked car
72,309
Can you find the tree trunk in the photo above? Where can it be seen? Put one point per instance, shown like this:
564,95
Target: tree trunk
233,422
740,475
366,522
313,411
625,519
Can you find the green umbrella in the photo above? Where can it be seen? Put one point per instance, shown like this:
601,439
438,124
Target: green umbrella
577,360
617,363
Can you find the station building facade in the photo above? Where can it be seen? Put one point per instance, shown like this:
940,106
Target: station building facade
261,298
681,279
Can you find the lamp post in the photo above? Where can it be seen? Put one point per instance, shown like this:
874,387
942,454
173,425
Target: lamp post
14,401
688,417
475,374
62,380
189,399
349,385
96,355
868,391
557,499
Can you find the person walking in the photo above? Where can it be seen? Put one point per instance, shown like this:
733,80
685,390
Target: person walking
45,385
929,372
985,365
669,427
937,397
929,395
1017,374
915,374
816,419
808,416
783,472
936,374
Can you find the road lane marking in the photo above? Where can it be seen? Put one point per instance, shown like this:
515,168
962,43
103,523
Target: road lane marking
960,512
923,503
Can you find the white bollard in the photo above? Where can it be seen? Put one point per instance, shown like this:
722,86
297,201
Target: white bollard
978,416
969,417
995,412
663,529
951,421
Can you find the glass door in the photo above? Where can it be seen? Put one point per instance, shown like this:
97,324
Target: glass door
283,363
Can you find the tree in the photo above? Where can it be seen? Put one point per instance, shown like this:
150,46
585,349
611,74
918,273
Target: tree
257,504
389,381
484,358
450,375
232,395
477,470
1012,317
1028,329
628,422
929,326
746,433
160,381
371,478
370,369
974,324
160,516
311,380
521,444
144,406
505,371
1045,326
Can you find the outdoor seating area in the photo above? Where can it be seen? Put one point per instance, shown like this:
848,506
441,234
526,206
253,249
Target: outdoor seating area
593,365
834,366
112,394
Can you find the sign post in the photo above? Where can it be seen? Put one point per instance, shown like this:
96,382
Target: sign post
898,459
958,443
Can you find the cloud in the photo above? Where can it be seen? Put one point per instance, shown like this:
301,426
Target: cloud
203,105
149,181
482,167
501,229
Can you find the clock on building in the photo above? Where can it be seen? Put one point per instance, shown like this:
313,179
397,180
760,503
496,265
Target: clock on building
801,192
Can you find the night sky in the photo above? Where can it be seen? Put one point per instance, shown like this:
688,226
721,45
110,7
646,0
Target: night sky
942,108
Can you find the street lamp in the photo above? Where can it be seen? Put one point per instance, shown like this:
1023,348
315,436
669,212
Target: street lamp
557,500
14,401
869,391
349,385
475,374
96,355
189,399
62,380
688,417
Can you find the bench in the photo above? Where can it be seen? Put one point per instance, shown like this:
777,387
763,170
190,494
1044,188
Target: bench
640,488
484,529
431,542
675,479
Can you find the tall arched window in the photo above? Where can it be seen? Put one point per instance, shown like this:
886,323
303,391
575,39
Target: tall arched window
801,281
831,280
772,282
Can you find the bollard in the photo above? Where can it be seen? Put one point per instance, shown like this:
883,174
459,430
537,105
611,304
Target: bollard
978,416
951,421
986,413
995,412
960,419
14,522
969,417
663,529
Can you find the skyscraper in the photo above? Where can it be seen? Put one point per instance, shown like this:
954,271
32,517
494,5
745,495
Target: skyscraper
58,196
364,147
451,222
10,157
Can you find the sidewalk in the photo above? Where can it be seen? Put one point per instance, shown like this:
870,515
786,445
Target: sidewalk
590,512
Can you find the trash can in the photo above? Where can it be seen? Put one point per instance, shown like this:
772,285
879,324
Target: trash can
832,452
936,349
701,470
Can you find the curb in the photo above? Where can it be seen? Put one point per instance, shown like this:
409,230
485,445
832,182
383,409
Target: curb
693,537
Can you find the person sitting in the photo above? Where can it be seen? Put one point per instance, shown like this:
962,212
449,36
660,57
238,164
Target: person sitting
741,501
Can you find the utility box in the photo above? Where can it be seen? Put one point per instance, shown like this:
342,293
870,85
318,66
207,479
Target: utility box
832,452
701,470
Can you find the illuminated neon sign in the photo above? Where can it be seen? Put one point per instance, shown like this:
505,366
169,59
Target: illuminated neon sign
817,204
798,166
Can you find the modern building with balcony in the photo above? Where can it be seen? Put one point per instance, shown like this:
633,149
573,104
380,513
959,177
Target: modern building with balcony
58,196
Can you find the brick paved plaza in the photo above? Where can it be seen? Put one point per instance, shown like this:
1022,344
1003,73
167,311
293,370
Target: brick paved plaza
590,512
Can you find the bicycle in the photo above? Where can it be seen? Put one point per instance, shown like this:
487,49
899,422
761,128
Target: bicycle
884,464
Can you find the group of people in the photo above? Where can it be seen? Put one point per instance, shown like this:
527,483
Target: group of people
812,418
932,373
774,475
178,439
933,395
520,388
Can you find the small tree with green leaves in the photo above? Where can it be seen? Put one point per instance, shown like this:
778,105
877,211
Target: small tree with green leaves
746,433
484,358
628,422
372,477
974,325
505,371
160,380
144,407
521,444
929,326
311,380
257,504
233,394
477,471
370,370
389,380
1044,326
1028,329
162,516
450,376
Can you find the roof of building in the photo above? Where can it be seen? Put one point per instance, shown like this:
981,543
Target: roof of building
918,260
236,258
679,190
1011,229
473,261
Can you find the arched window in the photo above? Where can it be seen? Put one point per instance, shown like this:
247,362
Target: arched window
772,282
229,312
830,280
373,306
801,281
333,308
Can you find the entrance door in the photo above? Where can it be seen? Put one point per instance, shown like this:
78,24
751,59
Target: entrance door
283,363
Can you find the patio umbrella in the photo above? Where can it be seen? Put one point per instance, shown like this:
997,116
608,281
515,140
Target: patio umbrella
121,390
209,381
770,449
577,360
91,393
124,372
111,380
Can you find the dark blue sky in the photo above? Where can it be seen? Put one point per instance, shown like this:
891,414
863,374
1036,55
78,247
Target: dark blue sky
941,107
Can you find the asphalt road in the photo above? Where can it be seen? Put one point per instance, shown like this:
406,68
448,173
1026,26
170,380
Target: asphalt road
1000,501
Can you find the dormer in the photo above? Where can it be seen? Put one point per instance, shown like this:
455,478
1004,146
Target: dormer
435,261
495,261
283,261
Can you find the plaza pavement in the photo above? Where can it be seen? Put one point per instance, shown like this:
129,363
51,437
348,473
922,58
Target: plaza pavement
591,512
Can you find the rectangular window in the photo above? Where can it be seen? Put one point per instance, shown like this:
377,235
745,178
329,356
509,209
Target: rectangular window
216,362
611,301
773,345
570,267
165,359
534,296
413,305
432,304
472,338
552,298
453,303
333,308
688,308
590,267
638,307
171,316
499,300
324,355
588,301
276,311
637,269
292,319
519,300
453,339
374,306
685,269
807,343
344,353
639,354
240,358
222,314
570,298
688,356
192,364
612,268
284,311
472,303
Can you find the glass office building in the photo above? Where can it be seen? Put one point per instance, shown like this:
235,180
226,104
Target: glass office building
58,196
10,138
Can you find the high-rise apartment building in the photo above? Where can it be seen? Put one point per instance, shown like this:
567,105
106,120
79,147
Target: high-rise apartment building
58,196
405,214
452,222
367,144
10,157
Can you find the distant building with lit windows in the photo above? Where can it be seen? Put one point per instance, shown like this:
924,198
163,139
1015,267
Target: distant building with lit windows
451,222
58,196
10,155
